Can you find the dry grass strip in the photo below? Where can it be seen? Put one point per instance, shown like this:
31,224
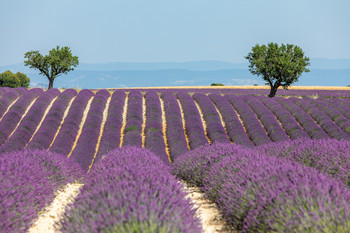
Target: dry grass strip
81,125
164,129
222,122
105,115
143,134
53,213
184,123
64,117
210,217
124,119
203,121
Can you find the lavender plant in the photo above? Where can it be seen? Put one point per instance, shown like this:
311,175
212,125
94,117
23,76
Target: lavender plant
154,139
194,165
175,129
45,134
254,129
14,115
304,119
268,119
66,136
260,193
23,133
28,181
7,99
193,122
130,190
216,131
84,151
233,126
328,156
322,119
340,105
288,122
333,113
111,133
134,120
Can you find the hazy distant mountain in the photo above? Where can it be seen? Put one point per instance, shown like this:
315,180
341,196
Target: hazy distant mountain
324,72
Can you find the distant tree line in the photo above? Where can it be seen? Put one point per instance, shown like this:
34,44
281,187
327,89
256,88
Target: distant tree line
9,79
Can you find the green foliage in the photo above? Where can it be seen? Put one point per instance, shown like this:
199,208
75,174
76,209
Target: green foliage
9,79
278,65
217,84
59,61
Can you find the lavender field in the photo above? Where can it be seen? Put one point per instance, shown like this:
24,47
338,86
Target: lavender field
270,164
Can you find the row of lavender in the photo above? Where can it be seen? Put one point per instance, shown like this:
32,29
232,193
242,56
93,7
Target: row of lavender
246,120
291,186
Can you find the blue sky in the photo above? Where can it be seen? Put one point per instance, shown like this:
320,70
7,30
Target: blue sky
171,30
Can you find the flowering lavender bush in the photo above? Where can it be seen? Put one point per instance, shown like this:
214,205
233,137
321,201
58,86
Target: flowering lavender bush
7,99
28,181
333,113
21,136
233,126
44,136
14,115
85,148
174,127
304,119
130,190
154,139
340,105
254,191
268,119
322,119
194,165
111,133
328,156
68,132
288,122
194,127
134,120
216,132
260,193
254,129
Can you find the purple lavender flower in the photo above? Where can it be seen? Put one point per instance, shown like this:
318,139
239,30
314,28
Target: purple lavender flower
67,134
44,136
216,132
233,126
251,123
110,139
130,190
154,139
28,181
84,152
175,129
134,120
14,115
304,119
26,128
193,121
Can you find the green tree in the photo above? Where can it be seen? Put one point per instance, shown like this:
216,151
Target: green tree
9,79
59,61
278,65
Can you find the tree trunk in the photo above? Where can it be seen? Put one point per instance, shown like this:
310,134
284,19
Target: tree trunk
50,83
273,91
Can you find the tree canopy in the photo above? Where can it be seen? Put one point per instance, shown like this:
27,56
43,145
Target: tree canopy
278,65
59,61
9,79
